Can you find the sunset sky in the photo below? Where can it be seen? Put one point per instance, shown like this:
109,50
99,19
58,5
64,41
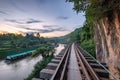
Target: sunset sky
48,17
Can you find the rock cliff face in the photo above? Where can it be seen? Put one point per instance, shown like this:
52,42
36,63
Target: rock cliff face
107,38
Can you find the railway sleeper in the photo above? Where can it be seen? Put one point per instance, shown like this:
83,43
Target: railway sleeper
36,79
88,58
60,55
91,61
58,58
96,65
85,55
101,73
55,61
50,70
104,78
104,64
46,73
52,66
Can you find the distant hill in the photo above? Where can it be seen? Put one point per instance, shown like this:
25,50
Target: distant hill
85,36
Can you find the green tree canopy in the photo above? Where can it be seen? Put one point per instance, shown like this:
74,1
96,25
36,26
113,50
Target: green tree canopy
96,9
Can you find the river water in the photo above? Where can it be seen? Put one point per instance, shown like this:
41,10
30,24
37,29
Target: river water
21,69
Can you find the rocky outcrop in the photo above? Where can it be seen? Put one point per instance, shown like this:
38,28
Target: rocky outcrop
107,38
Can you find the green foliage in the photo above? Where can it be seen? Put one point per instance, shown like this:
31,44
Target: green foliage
87,41
44,50
16,43
95,9
79,5
89,46
38,67
74,36
85,36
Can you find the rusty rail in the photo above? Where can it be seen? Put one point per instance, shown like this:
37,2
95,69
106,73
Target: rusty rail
82,65
88,72
113,76
85,63
64,62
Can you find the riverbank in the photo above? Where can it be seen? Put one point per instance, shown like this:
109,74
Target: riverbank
38,67
22,67
42,64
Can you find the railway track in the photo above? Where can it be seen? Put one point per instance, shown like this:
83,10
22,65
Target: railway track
89,68
95,69
57,68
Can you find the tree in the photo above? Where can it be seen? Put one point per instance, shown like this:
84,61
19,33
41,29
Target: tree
95,9
38,35
80,5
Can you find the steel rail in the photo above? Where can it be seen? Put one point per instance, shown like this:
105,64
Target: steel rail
93,74
101,65
56,71
65,66
82,65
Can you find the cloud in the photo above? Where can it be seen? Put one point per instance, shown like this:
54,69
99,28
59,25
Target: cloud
29,21
41,30
33,21
63,17
50,26
51,30
14,21
2,12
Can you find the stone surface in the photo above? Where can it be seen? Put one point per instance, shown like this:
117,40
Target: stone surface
107,38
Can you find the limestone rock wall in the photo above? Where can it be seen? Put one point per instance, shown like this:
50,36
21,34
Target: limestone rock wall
107,39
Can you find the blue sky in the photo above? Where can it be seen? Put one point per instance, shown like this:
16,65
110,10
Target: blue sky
48,17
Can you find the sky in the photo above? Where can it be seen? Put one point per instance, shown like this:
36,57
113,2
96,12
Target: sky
51,18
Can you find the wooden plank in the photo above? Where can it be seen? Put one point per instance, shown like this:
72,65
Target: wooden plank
55,61
59,55
53,64
91,60
49,71
104,79
88,58
99,70
36,79
59,58
102,73
46,73
96,65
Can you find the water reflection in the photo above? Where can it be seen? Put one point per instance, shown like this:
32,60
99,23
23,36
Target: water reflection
59,48
19,70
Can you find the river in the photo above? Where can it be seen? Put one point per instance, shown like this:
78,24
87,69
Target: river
21,69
